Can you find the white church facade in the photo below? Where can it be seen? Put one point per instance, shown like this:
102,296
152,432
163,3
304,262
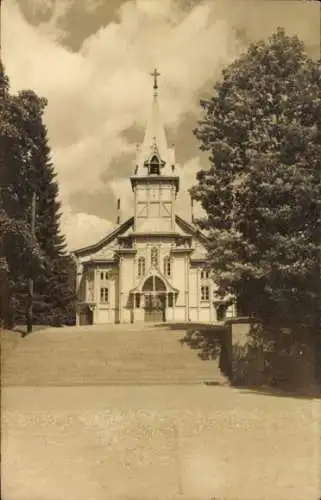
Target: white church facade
153,266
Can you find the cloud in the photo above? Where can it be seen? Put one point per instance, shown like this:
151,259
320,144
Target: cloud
82,229
49,14
100,92
92,5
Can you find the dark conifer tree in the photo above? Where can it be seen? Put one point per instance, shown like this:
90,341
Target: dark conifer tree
20,256
25,169
54,295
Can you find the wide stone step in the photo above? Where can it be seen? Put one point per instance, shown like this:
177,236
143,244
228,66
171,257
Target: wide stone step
90,357
104,373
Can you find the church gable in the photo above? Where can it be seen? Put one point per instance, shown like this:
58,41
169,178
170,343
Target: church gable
108,251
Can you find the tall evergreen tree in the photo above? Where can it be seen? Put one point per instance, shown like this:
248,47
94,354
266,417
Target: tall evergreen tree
20,254
54,295
262,190
27,168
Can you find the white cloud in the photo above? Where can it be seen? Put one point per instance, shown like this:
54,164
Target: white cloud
104,89
187,174
82,229
56,10
96,94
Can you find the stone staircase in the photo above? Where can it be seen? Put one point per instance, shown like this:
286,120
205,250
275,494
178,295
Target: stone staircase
108,355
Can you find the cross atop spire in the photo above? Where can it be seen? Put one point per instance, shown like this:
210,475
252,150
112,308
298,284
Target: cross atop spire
155,141
155,74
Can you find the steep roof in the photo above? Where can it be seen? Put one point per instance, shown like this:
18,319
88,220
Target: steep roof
187,228
190,229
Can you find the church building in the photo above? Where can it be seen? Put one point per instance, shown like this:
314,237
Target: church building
151,267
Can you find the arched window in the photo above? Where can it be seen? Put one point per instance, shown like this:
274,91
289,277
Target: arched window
154,257
167,266
154,284
154,165
141,267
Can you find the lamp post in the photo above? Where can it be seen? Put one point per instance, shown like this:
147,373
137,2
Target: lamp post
3,274
30,280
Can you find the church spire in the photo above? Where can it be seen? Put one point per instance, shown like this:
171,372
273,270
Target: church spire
155,137
154,146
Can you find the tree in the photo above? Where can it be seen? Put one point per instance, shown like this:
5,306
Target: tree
20,254
26,168
54,294
262,192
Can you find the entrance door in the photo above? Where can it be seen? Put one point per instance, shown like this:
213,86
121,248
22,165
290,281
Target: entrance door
155,308
154,289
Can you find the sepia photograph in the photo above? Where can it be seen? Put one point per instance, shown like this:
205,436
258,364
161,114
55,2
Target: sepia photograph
160,249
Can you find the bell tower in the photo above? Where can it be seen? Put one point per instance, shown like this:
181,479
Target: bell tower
154,182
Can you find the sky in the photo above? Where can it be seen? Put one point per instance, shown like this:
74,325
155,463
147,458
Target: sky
91,59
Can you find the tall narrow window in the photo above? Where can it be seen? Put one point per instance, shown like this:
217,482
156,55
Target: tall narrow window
104,295
141,267
205,294
154,257
167,266
154,165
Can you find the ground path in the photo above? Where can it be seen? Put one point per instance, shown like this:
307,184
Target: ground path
69,432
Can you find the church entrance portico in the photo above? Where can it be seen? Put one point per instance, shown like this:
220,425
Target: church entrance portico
153,299
154,290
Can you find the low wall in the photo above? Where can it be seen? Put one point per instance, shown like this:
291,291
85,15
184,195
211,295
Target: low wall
253,365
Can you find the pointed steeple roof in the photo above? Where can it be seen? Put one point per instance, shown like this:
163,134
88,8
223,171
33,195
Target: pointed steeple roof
155,141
